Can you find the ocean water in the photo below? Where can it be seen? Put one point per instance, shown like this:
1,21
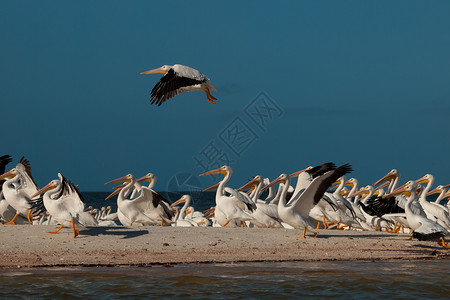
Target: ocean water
278,280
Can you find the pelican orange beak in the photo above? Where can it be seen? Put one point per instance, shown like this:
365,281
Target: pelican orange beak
121,179
252,183
48,187
181,200
220,170
274,182
213,187
145,178
8,174
401,190
388,177
424,179
155,71
118,189
358,193
438,190
295,174
349,183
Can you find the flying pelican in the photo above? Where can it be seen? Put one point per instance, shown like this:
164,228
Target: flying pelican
423,228
64,202
296,211
18,188
178,79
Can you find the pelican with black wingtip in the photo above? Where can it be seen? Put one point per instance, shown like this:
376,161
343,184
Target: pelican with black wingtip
178,79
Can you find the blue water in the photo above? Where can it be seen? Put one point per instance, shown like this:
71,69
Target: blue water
342,280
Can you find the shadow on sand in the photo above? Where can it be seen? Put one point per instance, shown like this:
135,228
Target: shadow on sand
127,233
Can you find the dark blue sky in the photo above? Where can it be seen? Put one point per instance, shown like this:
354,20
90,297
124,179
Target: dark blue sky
360,82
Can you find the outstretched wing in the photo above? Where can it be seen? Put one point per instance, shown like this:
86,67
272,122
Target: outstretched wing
315,191
321,169
169,86
70,194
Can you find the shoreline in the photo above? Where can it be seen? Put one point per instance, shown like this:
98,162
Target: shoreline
31,246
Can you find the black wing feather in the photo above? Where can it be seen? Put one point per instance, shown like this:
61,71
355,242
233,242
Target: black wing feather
321,169
158,199
68,188
328,179
26,163
4,160
168,87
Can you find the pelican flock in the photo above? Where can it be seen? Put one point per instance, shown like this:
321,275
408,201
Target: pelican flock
321,196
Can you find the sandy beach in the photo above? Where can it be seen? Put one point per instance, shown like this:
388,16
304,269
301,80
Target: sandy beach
32,246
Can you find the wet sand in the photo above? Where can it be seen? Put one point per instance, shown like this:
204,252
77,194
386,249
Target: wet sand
32,246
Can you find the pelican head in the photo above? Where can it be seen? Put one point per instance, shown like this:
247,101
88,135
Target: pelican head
425,179
295,174
388,177
283,178
126,178
162,70
150,177
222,170
406,189
183,199
52,185
351,182
10,174
252,183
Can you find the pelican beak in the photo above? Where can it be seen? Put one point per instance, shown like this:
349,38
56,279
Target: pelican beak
437,190
48,187
213,187
349,183
8,174
360,192
387,177
276,181
295,174
249,184
215,171
155,71
118,189
121,179
422,180
398,191
181,200
144,178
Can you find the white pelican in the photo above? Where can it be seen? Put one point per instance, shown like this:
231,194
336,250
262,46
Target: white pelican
178,79
144,207
374,221
266,214
180,219
305,176
296,211
64,202
435,212
423,228
236,207
441,190
18,188
7,212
